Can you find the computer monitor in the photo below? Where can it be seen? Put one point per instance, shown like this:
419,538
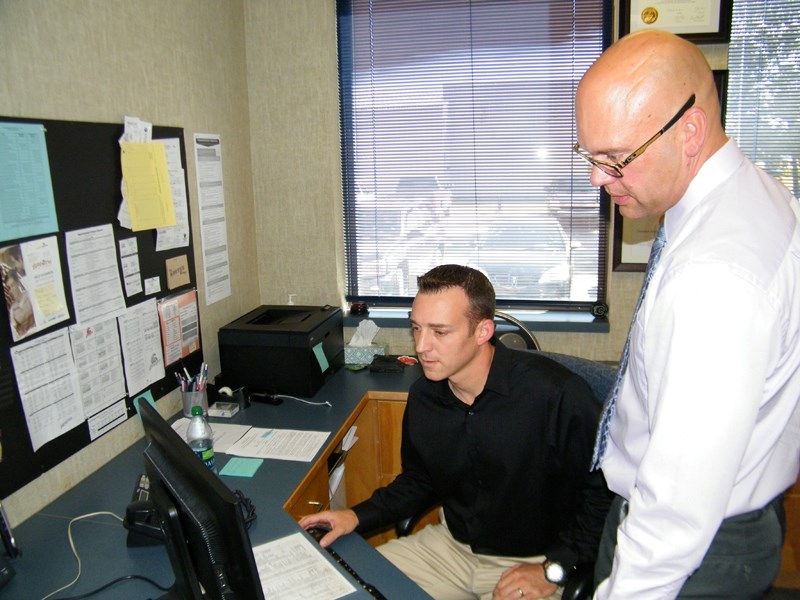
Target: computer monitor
202,521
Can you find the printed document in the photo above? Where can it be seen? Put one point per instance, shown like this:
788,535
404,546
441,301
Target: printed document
27,206
47,386
94,276
281,444
291,567
213,232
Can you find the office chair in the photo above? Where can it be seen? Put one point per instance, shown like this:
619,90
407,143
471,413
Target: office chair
520,339
600,378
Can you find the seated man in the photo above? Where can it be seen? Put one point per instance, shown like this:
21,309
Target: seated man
503,440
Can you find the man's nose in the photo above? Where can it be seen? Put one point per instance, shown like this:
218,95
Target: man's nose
420,341
599,178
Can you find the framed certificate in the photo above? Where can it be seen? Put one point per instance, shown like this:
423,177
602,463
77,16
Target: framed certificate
633,239
701,21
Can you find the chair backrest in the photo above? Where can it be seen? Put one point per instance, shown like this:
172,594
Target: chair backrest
599,376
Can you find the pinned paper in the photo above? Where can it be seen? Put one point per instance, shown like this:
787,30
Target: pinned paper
146,185
177,272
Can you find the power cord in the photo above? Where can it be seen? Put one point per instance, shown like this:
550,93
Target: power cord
278,398
78,558
247,507
113,583
303,400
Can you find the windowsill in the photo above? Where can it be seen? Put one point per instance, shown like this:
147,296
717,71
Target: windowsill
535,320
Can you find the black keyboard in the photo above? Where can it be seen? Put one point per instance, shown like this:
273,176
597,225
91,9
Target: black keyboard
317,534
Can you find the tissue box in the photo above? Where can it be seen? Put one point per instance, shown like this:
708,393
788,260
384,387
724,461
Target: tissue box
362,355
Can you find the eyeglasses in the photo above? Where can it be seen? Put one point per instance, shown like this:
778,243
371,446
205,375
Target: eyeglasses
615,169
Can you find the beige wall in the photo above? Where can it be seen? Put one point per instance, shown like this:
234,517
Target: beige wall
262,73
180,63
294,125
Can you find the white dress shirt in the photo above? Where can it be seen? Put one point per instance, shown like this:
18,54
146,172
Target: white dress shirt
707,424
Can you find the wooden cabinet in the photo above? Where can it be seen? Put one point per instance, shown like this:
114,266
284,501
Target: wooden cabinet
312,494
374,460
377,461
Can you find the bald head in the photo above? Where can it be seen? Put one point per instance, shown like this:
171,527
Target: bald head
647,76
627,98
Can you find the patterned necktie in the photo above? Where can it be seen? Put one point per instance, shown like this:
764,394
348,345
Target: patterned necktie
610,404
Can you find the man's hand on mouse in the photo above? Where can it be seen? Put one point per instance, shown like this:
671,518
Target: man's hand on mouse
339,522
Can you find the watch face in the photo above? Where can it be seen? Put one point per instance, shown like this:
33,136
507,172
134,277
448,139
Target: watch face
554,572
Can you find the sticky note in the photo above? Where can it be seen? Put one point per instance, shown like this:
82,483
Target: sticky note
147,397
321,358
241,467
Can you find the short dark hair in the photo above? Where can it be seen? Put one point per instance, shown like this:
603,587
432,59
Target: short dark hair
476,286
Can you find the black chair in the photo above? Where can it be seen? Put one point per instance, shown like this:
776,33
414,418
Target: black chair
600,378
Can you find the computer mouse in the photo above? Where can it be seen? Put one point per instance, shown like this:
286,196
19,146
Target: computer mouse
317,532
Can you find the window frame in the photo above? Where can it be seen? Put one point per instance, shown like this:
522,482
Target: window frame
597,307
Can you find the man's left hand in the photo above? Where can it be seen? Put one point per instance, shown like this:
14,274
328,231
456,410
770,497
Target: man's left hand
523,581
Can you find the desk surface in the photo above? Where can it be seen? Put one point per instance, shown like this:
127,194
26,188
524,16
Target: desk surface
47,562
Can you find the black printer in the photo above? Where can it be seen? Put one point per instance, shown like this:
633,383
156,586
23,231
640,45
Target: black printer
282,349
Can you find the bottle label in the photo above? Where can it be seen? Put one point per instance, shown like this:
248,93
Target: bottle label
207,456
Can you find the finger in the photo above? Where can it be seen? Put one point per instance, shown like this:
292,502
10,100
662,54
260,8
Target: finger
309,521
329,538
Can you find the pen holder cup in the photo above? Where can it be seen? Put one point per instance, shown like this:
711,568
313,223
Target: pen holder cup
190,399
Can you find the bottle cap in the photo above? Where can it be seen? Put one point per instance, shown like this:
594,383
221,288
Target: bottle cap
197,410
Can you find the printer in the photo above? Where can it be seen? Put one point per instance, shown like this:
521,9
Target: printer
283,349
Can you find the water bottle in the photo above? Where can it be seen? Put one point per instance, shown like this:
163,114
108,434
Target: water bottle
201,438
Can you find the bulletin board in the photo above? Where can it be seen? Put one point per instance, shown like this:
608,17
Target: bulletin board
86,174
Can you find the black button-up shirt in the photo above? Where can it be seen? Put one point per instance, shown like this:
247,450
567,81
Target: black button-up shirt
511,471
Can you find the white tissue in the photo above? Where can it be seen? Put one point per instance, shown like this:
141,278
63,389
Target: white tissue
365,333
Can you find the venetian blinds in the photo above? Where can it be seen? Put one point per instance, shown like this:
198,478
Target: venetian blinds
457,129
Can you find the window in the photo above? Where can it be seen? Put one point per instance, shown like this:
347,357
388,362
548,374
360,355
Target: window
457,134
763,105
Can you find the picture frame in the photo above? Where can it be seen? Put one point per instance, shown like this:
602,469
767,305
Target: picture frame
633,239
700,21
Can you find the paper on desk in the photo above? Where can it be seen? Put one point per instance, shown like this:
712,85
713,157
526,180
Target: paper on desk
225,434
282,444
292,567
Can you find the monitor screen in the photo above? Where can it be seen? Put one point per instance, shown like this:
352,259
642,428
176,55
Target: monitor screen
202,521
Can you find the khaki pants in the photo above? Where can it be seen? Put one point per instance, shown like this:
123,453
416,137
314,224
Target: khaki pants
447,569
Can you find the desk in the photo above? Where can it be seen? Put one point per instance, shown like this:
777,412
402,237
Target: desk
47,562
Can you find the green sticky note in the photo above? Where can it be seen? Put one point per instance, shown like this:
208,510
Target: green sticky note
241,467
321,358
147,397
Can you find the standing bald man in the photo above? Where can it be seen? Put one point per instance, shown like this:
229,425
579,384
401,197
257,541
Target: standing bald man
705,434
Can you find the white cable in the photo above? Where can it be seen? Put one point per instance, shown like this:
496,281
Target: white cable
285,397
74,550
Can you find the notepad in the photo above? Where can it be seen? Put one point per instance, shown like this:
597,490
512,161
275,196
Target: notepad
241,467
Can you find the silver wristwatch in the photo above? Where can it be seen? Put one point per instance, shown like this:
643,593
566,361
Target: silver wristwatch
554,572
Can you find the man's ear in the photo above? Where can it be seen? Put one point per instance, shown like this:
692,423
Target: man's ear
485,330
695,130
